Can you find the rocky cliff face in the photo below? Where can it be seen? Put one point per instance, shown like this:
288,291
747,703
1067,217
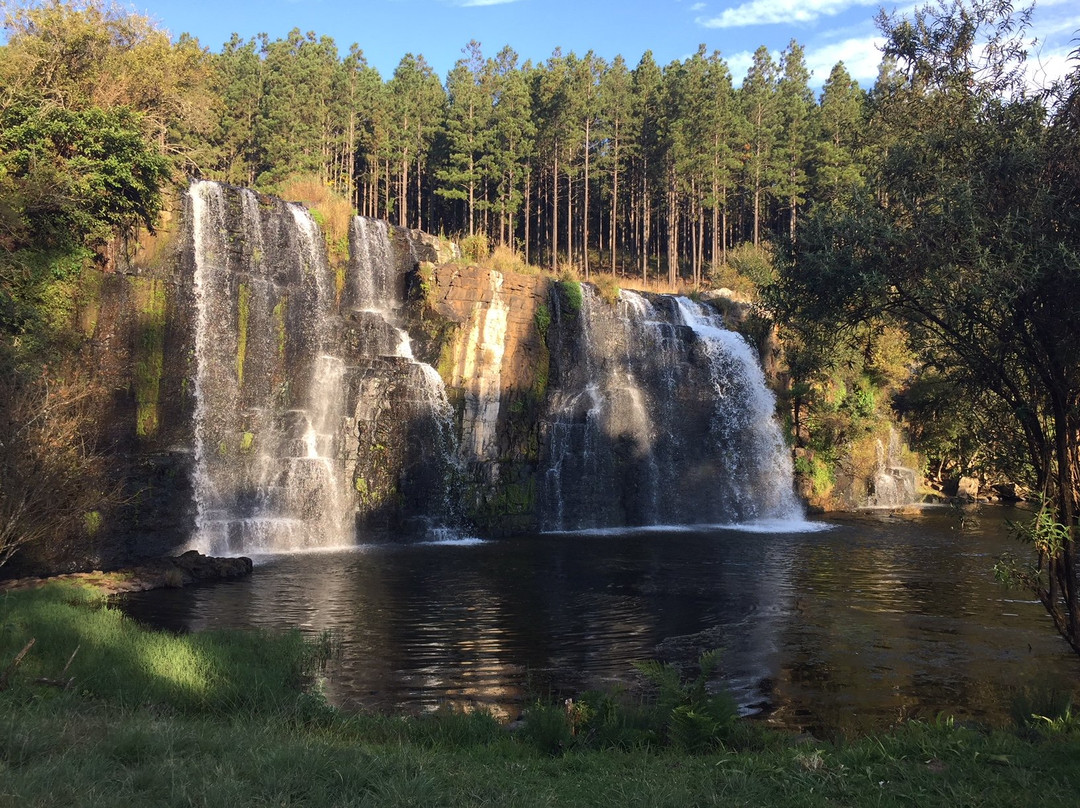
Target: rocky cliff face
266,400
491,354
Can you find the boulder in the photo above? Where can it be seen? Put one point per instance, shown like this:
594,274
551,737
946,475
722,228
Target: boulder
1010,492
207,568
967,488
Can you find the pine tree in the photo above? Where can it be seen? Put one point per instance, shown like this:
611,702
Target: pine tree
646,85
416,107
837,166
719,106
615,112
470,94
513,137
795,108
759,104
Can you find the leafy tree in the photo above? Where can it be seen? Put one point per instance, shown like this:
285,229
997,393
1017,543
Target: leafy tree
969,237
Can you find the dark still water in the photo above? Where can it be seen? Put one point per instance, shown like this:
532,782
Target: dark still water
878,619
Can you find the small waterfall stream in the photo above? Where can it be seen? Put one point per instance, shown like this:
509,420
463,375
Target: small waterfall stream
755,478
429,464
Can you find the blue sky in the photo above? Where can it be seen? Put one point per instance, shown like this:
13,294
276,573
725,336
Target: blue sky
829,30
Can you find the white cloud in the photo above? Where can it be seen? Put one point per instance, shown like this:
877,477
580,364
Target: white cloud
768,12
697,7
860,55
1047,65
739,64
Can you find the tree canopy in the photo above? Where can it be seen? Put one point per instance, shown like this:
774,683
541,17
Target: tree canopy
966,233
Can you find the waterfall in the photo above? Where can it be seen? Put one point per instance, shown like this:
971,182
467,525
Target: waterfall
756,477
894,484
404,419
268,476
662,416
315,423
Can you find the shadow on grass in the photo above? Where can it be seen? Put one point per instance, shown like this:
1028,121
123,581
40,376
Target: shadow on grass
120,661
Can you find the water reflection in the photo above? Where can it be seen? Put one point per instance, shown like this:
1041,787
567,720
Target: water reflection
876,620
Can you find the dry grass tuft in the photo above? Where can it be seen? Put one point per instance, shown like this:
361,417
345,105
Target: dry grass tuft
333,212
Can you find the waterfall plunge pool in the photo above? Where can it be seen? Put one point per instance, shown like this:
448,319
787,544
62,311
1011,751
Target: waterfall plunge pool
879,619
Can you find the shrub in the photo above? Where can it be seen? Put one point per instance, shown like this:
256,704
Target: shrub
695,719
747,269
571,295
54,481
608,287
475,248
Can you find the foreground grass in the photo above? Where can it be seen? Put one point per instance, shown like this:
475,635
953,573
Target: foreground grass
126,734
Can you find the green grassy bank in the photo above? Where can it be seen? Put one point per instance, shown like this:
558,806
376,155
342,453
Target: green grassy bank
229,719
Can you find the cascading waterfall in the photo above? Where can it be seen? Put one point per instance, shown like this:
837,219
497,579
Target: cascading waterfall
268,478
756,472
665,418
315,423
429,456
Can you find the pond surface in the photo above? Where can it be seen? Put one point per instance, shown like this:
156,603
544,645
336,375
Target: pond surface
877,619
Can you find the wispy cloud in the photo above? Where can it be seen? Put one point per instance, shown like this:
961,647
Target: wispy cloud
769,12
697,7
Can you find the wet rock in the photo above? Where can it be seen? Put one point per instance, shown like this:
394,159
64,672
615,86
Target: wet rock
208,568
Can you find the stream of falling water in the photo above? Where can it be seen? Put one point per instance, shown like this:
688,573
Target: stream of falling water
671,422
264,482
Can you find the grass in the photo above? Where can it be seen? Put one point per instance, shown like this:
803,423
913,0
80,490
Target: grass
331,211
126,735
117,660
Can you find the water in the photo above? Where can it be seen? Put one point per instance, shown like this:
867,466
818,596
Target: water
878,619
267,476
756,471
395,388
662,416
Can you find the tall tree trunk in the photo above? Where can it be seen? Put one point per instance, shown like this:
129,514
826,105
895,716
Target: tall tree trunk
528,191
569,219
555,211
585,216
403,190
615,204
645,209
472,195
